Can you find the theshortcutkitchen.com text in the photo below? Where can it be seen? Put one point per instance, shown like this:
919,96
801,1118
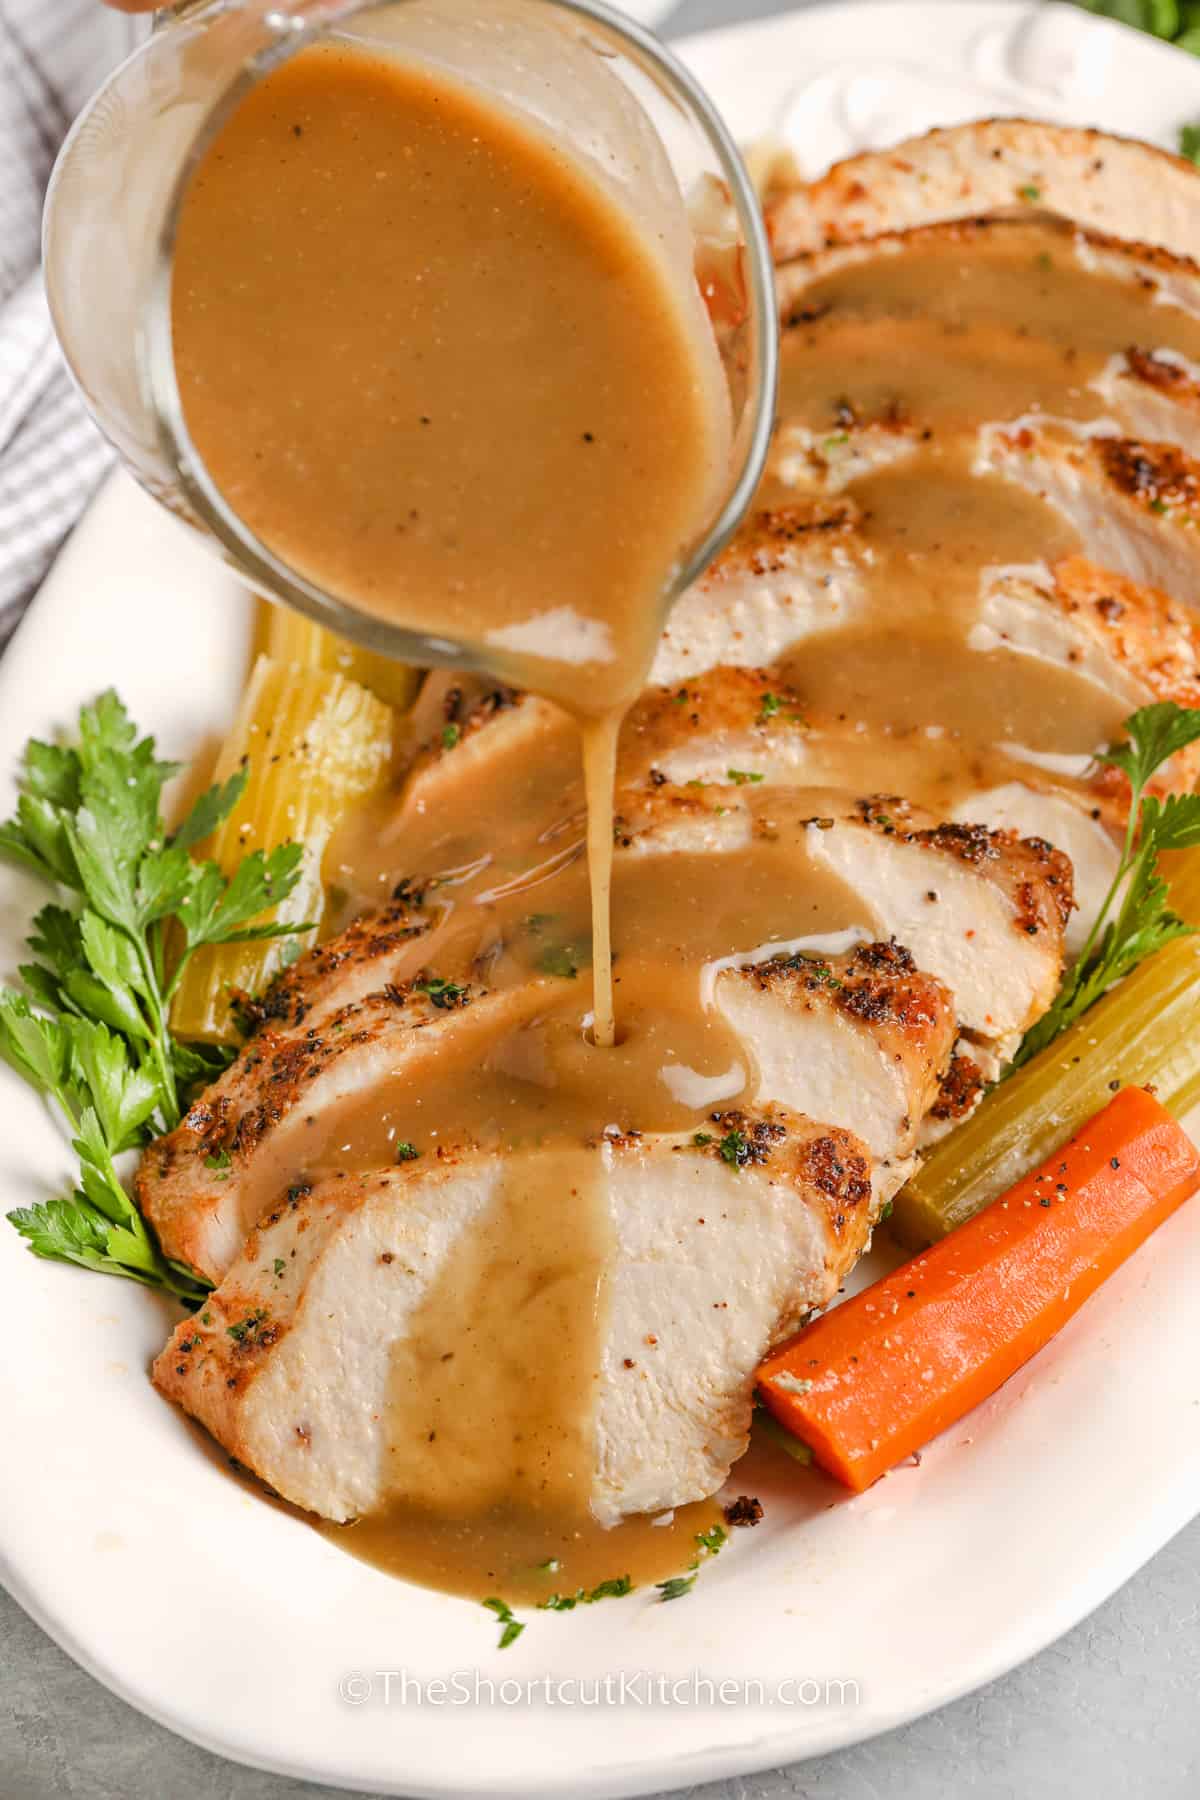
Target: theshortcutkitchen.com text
616,1687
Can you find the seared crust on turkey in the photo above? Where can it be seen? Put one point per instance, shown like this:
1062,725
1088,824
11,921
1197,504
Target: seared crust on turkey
1111,184
876,1025
197,1184
1135,505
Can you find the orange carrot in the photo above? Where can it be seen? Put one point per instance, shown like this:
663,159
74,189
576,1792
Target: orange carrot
879,1376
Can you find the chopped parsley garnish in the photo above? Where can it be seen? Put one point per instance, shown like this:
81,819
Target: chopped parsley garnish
510,1627
406,1152
700,1138
450,736
1135,919
562,960
708,1543
771,704
280,1266
1029,193
735,1149
615,1588
740,777
249,1327
813,967
91,1029
443,994
220,1162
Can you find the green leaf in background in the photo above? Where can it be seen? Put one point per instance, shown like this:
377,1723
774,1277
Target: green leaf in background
1160,18
1176,22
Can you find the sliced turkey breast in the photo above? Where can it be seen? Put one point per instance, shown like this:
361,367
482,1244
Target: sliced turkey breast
864,1033
1154,394
809,461
381,947
791,570
1060,819
1135,505
711,1257
494,739
744,719
203,1185
876,1044
1128,638
1150,393
984,912
1111,184
1130,642
1159,277
975,321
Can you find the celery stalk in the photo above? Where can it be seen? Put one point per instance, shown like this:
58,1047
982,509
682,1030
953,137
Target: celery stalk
314,744
1146,1031
288,637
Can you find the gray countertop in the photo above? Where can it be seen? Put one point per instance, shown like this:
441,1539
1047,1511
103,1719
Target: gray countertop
1111,1708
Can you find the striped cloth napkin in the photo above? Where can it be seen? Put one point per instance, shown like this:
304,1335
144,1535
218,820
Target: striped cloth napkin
53,53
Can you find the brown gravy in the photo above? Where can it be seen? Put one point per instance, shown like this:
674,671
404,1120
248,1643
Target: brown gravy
490,1448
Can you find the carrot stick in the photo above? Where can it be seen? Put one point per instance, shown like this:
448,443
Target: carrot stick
882,1374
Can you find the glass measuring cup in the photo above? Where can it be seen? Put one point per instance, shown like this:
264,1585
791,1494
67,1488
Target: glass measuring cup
574,69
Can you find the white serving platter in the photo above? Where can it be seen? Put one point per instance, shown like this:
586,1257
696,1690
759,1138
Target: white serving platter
122,1532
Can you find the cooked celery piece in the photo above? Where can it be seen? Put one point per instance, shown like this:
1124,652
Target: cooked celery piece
767,1429
314,743
1145,1030
287,637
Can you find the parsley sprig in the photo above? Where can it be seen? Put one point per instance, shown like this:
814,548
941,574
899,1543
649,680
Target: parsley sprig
131,907
1135,919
